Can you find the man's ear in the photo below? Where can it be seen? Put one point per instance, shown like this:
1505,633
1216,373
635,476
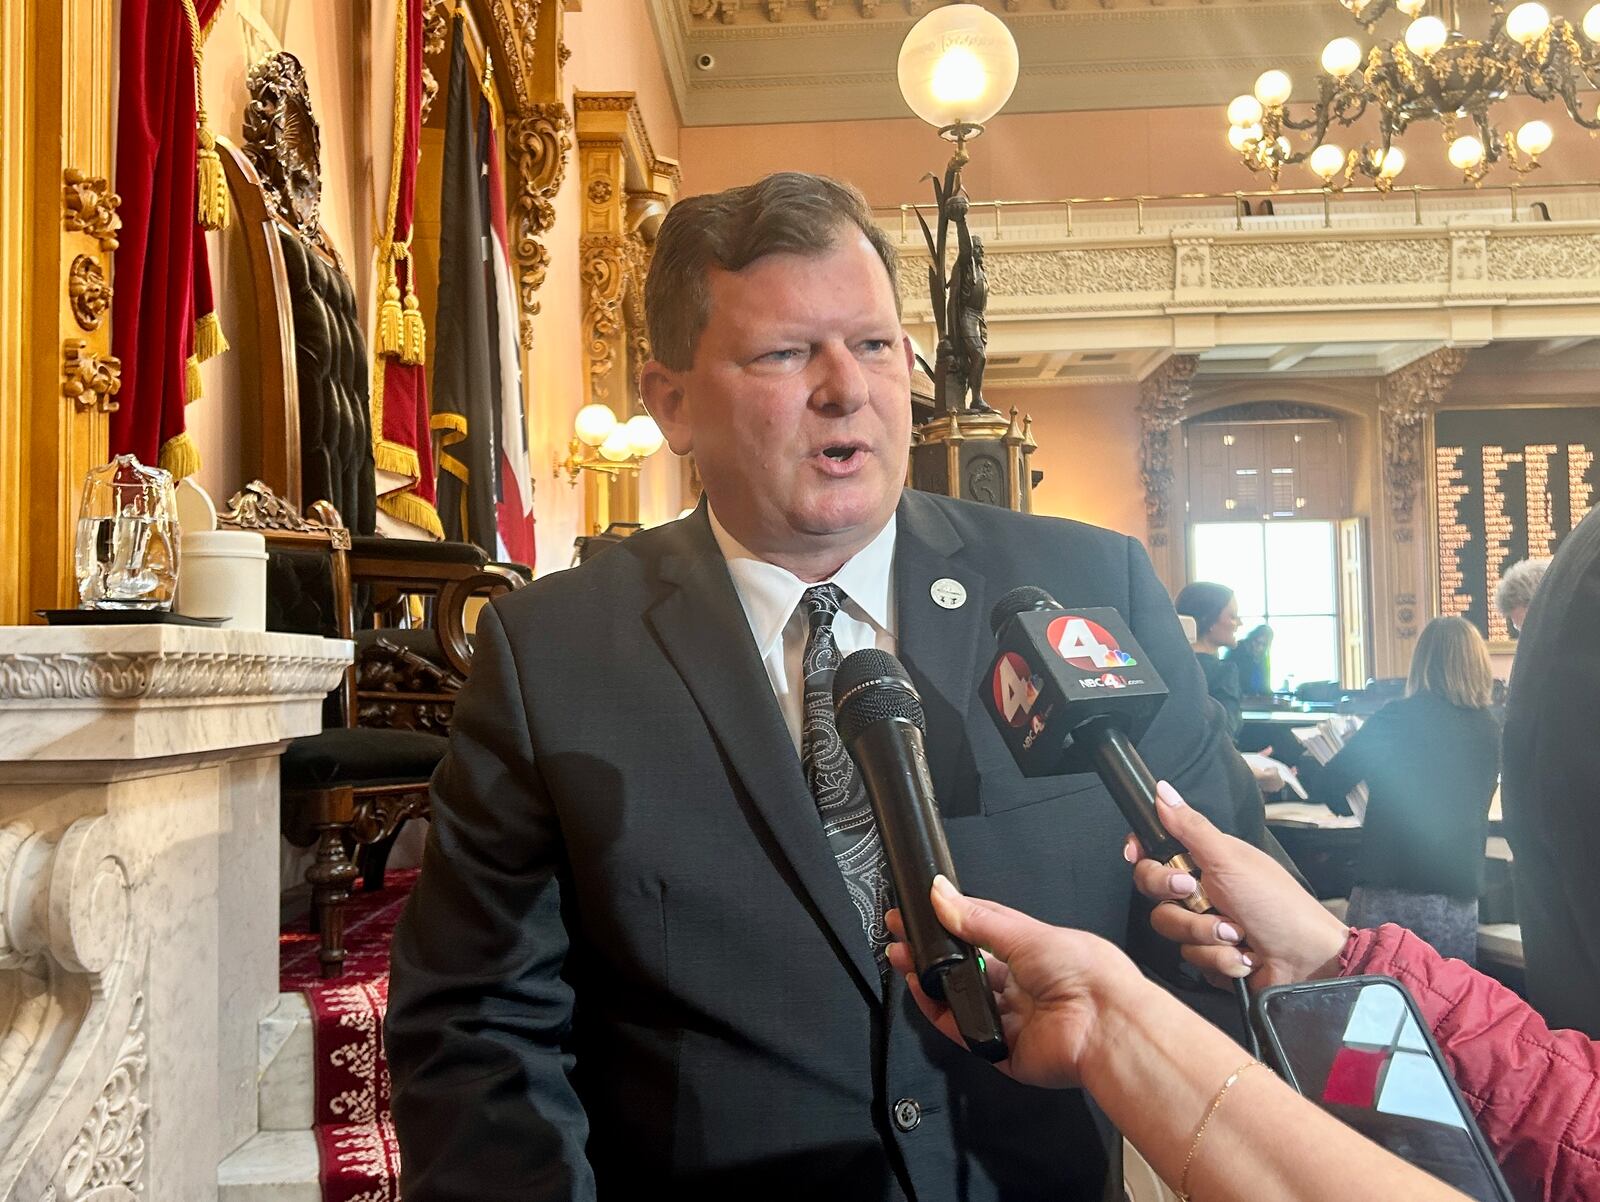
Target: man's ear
911,354
665,396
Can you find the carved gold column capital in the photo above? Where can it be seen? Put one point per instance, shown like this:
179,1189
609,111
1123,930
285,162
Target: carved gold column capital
1406,399
540,139
88,205
90,380
1163,398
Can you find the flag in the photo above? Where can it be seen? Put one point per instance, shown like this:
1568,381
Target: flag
514,483
163,320
402,448
464,362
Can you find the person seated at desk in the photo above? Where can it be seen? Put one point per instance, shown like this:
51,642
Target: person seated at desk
1251,659
1215,611
1430,761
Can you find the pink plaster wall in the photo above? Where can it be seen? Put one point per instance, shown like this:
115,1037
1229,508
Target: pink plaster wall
1040,156
1088,438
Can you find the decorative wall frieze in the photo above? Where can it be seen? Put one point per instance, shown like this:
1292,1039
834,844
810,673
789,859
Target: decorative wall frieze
1163,398
88,292
89,206
1406,400
106,1162
89,379
1034,273
603,269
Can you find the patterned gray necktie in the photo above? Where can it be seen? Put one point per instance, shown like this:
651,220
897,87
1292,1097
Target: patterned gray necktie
841,798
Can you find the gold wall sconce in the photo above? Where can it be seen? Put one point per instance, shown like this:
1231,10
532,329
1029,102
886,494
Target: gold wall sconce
606,454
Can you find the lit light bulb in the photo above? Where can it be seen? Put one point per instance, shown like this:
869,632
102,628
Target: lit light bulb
1411,8
1534,138
644,436
616,447
1466,152
1591,24
1341,56
1273,88
1327,161
1425,36
958,77
1527,23
594,424
1284,149
1240,136
1389,163
1246,110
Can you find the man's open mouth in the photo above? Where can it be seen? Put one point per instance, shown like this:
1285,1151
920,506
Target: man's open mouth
841,453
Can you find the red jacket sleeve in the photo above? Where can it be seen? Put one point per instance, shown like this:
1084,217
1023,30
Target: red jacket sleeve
1535,1092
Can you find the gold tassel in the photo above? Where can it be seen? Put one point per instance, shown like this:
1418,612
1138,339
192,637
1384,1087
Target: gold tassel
414,348
209,341
407,507
215,211
192,390
390,318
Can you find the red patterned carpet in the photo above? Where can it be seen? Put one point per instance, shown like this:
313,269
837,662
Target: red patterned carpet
355,1135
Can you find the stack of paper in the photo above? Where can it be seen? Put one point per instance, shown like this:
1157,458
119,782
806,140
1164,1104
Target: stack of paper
1323,742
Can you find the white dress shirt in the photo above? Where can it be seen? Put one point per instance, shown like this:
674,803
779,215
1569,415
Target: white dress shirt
771,598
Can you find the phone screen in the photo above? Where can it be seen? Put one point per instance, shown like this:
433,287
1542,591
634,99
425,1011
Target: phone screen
1355,1048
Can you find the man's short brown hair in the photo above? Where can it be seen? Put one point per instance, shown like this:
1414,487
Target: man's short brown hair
788,211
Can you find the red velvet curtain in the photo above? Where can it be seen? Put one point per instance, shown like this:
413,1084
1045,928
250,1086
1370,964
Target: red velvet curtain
162,276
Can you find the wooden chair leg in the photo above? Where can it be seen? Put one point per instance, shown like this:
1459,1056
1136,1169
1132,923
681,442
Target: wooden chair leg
331,876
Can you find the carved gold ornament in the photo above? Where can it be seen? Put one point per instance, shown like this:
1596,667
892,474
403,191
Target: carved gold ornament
90,206
90,380
540,140
88,292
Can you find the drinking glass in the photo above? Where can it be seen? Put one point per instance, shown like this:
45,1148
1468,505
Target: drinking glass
127,545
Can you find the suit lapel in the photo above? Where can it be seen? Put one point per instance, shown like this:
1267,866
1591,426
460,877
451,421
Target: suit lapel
943,649
704,631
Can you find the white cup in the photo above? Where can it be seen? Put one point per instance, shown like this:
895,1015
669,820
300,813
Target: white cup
223,574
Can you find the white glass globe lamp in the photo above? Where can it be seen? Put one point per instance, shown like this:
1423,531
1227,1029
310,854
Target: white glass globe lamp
1240,136
617,448
1534,138
1426,36
1389,163
1341,56
644,436
1273,88
1245,110
1327,161
1527,23
1591,24
958,66
1466,152
594,424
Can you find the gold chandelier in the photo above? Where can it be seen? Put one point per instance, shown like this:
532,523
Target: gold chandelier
1435,72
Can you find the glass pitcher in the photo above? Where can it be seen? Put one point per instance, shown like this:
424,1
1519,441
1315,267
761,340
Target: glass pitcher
127,545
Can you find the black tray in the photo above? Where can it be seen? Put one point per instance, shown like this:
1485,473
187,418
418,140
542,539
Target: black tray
122,617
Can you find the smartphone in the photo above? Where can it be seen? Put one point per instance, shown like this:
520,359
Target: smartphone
1357,1046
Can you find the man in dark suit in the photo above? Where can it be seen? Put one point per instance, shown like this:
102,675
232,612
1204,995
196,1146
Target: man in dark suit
1550,783
644,958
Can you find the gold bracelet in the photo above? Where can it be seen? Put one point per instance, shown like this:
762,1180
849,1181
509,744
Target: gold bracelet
1216,1101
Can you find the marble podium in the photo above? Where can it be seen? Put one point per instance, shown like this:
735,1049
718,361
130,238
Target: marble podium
139,897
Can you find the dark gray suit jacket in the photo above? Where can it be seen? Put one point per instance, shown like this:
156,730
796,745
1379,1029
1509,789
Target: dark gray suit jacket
630,965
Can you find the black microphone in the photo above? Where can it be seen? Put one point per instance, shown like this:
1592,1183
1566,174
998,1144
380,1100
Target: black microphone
880,720
1071,691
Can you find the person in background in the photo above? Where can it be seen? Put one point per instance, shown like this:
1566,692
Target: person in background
1534,1092
1551,795
1430,761
1251,658
1216,1124
1215,611
1514,594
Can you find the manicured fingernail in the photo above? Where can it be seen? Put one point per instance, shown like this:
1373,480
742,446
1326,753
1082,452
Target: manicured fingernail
1182,883
1169,795
1129,854
943,887
1244,958
1227,932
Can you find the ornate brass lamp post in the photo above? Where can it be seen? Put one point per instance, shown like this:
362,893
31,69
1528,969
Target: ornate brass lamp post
957,69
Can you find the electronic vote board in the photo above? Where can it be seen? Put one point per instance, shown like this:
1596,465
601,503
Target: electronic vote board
1508,484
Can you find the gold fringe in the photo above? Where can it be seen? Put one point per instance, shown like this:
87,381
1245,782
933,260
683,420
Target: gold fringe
209,341
406,506
414,340
192,387
179,456
395,458
455,467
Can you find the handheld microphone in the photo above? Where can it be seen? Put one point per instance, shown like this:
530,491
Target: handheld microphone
880,719
1071,691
